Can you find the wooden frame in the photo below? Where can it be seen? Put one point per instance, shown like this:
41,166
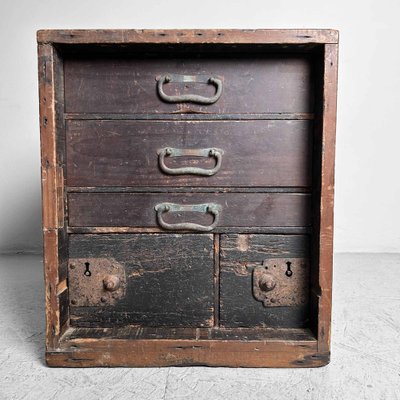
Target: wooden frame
78,347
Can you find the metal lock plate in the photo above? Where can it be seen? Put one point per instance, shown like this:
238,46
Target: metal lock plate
95,281
282,282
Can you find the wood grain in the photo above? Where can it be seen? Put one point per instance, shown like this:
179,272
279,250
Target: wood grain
52,177
327,195
229,36
238,209
125,153
240,254
178,352
169,279
115,84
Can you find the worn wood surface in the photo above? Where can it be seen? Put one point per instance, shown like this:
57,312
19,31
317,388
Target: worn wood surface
178,352
268,84
239,255
213,333
52,175
125,153
169,279
229,36
325,237
302,69
238,209
189,116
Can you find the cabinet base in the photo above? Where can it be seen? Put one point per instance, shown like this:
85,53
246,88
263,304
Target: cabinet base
81,348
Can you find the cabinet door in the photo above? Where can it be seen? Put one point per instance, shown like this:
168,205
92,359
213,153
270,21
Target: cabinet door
141,279
264,280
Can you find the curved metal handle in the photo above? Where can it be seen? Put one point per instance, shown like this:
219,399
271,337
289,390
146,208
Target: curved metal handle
211,208
189,98
171,152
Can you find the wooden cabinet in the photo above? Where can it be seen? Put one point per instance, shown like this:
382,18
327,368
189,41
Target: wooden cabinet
187,184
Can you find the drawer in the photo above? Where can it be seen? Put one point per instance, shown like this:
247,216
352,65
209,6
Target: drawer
202,211
135,153
264,280
150,280
126,84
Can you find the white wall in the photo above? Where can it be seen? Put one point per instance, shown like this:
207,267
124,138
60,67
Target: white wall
368,135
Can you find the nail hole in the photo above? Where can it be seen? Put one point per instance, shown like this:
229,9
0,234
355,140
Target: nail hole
162,34
199,34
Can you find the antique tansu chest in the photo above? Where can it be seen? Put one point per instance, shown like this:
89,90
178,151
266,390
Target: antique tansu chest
187,181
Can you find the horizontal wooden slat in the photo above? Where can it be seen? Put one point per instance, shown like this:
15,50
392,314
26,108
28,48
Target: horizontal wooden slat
214,333
178,352
237,209
128,84
125,153
190,117
286,230
249,36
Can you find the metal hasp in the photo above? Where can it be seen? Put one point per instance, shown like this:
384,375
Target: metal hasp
95,281
211,208
172,152
282,282
189,98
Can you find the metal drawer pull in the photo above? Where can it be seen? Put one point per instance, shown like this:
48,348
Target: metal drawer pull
189,98
211,208
171,152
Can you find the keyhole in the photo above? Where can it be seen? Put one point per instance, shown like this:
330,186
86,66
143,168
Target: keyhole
289,271
87,271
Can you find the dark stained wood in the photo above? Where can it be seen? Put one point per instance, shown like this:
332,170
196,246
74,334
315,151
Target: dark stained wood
190,117
239,255
213,333
125,153
128,84
310,59
169,279
283,230
184,189
166,36
238,209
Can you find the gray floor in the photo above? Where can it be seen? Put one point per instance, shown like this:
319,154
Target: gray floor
365,347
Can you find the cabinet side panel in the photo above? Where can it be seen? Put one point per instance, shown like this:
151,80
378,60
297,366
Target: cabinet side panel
54,237
327,195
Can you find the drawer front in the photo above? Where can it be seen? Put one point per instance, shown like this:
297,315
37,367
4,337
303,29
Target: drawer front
263,84
207,211
135,153
150,280
264,280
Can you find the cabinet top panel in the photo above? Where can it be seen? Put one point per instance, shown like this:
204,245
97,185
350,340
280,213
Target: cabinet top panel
245,36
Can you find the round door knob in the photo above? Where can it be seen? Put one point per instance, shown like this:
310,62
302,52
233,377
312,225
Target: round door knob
111,283
266,283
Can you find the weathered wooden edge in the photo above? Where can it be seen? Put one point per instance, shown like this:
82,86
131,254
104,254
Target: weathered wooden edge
159,353
222,36
327,195
52,194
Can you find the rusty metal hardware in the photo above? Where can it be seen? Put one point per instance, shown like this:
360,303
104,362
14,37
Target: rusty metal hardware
172,152
189,98
280,282
211,208
103,287
111,283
